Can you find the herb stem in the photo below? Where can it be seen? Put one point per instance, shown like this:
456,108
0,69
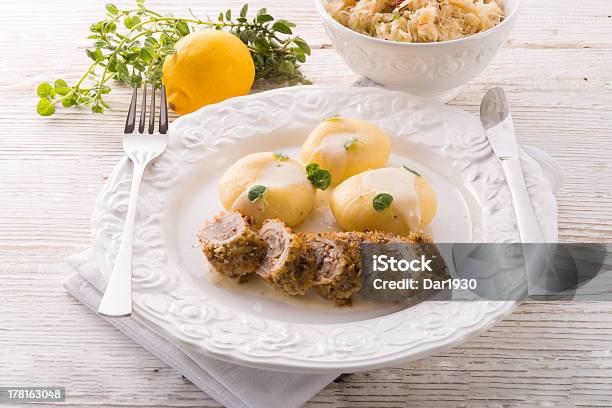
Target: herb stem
152,12
75,88
276,53
113,56
89,70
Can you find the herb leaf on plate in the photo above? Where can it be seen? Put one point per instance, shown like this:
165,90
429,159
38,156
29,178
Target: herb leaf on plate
320,178
382,201
349,144
280,156
256,192
333,118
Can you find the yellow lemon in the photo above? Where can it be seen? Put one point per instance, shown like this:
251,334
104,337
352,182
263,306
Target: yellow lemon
207,67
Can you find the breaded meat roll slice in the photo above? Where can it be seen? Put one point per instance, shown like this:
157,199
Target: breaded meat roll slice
289,263
231,245
338,265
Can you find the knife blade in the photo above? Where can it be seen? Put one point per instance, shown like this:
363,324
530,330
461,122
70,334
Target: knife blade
497,121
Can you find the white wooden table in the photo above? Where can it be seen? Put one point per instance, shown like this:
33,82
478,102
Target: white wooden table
557,70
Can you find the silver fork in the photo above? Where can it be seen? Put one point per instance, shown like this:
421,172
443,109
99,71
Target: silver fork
141,148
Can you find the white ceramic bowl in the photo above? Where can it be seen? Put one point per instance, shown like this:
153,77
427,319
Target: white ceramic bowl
437,70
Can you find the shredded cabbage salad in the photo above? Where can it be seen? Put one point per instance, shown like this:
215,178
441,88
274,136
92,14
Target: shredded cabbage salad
417,20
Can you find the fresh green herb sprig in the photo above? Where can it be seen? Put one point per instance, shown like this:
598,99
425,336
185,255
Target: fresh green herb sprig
130,45
256,193
382,201
320,178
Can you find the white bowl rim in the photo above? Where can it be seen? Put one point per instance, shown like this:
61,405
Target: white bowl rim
325,15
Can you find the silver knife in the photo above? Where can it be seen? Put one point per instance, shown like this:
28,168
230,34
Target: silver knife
499,129
497,121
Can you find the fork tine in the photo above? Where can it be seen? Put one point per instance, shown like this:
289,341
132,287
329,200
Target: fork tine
152,111
130,121
143,110
163,112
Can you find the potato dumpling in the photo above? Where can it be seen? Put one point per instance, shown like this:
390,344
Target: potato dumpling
394,200
268,185
346,147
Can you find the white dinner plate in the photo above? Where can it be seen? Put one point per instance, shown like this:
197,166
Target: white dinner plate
251,325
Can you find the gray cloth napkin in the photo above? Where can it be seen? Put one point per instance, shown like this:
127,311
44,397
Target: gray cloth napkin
230,385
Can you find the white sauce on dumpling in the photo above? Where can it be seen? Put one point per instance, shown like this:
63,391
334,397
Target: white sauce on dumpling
333,149
274,175
401,184
282,173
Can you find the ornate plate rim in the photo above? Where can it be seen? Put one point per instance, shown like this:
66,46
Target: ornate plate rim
262,343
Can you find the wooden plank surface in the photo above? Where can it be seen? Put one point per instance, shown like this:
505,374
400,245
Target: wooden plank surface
556,70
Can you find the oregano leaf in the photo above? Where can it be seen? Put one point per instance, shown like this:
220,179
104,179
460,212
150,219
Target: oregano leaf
382,201
45,107
256,192
318,177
